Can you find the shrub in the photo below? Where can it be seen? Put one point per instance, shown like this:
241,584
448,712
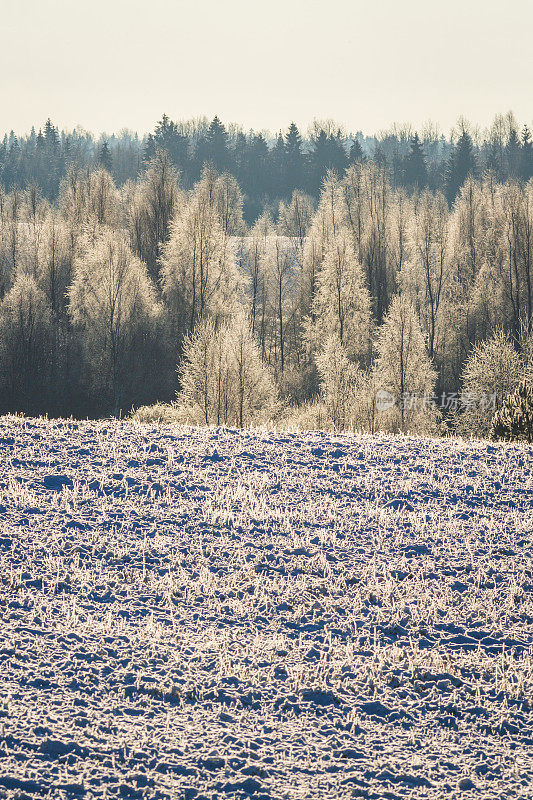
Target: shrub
514,420
491,373
158,414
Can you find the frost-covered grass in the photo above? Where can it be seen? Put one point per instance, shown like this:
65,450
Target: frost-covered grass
192,613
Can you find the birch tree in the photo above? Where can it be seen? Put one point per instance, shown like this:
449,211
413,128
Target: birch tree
112,303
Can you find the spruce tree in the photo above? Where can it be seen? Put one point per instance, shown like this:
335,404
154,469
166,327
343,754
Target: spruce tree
293,158
51,136
513,154
104,157
338,159
356,155
380,157
462,163
149,149
168,137
416,175
217,145
328,154
319,161
526,160
277,172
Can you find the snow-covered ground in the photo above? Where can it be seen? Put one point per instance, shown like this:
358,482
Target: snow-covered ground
211,614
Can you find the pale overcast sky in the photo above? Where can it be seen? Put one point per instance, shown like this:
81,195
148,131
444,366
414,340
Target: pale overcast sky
109,64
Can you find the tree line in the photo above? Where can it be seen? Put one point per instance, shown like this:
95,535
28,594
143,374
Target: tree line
118,297
270,168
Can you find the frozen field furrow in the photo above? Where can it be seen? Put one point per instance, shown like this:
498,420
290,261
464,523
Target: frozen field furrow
213,614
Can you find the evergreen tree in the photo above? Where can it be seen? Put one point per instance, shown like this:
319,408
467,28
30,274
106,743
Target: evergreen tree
338,159
526,161
318,161
277,174
356,155
328,153
105,159
240,158
256,177
380,158
149,149
216,146
51,136
168,137
513,154
416,175
462,163
294,160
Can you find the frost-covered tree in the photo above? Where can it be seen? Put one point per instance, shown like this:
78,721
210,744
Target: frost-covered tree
341,306
295,218
492,372
400,232
228,204
282,274
151,210
221,193
198,266
24,342
514,419
339,381
326,224
53,273
11,238
204,374
35,215
517,208
53,268
375,247
403,367
252,250
354,205
424,273
112,303
222,376
370,214
254,392
89,198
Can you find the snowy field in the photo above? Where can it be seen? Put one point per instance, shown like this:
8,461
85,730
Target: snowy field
213,614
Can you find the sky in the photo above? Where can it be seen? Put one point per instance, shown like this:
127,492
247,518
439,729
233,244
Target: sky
105,65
